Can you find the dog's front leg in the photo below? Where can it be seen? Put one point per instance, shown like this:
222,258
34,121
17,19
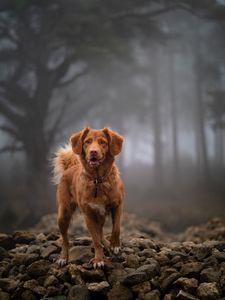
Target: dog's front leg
95,227
115,236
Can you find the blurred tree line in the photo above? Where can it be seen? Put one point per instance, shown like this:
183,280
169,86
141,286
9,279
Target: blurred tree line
53,54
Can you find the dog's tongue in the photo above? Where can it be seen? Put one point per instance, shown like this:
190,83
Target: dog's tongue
94,162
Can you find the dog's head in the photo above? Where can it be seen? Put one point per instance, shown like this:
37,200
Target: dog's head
96,145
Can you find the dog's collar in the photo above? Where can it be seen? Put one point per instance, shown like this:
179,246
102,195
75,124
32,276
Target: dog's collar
98,180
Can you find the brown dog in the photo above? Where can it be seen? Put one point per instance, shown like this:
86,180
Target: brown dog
87,177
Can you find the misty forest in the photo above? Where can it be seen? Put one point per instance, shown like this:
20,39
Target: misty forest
154,71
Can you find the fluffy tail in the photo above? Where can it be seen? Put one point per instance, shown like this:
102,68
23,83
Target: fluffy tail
64,158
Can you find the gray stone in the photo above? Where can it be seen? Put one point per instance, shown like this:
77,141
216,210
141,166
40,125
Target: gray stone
52,291
120,292
28,295
23,237
142,243
201,251
208,291
50,280
38,268
80,254
99,287
34,249
24,258
151,270
209,275
187,284
153,295
79,292
132,261
46,252
3,253
117,274
135,278
34,286
191,268
167,281
169,297
92,275
8,284
6,241
182,295
142,288
220,256
4,296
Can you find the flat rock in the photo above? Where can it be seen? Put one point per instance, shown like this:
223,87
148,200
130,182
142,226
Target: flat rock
99,287
23,237
46,252
135,278
153,295
208,291
4,296
151,270
132,261
92,275
24,258
38,268
3,253
6,241
50,280
191,268
80,254
187,284
34,286
28,295
79,292
120,292
8,284
116,275
182,295
209,275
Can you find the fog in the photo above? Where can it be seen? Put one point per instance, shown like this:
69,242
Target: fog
152,70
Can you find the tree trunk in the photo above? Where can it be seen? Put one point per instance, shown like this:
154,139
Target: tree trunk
201,146
156,118
176,165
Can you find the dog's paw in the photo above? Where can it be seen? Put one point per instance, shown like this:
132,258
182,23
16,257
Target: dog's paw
115,250
97,263
61,262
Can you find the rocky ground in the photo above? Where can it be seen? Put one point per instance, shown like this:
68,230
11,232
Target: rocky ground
152,265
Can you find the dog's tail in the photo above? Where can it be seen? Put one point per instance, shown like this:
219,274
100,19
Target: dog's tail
64,158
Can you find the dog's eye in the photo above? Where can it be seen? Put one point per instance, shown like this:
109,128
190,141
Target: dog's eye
101,142
88,142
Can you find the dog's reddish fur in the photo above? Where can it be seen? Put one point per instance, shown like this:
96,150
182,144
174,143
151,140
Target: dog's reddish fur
73,167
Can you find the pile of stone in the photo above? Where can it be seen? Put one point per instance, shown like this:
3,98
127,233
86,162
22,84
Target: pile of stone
214,229
131,225
146,269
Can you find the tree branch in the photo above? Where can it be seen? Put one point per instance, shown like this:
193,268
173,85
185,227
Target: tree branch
9,130
56,126
74,77
9,114
11,148
137,13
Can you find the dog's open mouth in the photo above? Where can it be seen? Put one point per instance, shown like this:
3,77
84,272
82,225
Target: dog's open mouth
95,162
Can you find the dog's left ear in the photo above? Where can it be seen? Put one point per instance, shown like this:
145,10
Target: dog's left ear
115,141
77,139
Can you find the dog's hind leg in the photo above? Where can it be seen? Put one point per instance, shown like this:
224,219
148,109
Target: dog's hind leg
65,212
115,236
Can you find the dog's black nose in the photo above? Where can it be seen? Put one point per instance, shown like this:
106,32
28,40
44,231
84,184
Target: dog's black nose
93,152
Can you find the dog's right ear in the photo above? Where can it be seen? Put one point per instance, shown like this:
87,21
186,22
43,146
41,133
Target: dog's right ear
77,139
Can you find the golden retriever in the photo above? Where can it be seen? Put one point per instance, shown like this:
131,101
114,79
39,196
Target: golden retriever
88,178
